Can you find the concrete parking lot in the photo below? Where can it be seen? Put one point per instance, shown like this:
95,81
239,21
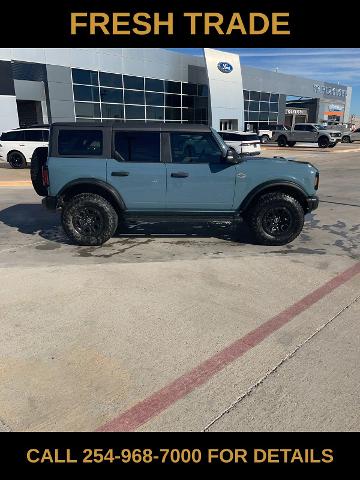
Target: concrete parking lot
171,327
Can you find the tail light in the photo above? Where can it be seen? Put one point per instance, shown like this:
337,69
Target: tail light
45,176
317,179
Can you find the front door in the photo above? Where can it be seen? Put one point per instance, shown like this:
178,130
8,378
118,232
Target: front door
136,171
198,178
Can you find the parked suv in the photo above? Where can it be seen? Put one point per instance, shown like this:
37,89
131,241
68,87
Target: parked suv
17,146
244,143
100,175
308,133
349,137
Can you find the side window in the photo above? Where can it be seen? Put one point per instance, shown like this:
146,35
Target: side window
137,146
14,136
45,135
33,135
299,127
80,142
194,148
308,128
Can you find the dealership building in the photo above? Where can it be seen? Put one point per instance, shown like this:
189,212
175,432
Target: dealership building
45,85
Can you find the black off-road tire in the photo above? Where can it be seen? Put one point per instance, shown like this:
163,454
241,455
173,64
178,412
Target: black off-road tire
264,138
280,204
323,142
16,160
282,141
291,144
88,219
346,139
38,160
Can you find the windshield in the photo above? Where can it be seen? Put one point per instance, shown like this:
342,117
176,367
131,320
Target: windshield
320,127
220,141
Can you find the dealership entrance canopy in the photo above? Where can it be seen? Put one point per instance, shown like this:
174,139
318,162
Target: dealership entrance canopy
51,85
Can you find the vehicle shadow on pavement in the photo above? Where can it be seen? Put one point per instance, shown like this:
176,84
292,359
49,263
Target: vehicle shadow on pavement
219,230
33,219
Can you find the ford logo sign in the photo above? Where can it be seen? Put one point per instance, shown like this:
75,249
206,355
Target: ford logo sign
225,67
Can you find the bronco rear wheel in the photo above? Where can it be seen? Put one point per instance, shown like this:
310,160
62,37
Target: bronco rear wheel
276,219
89,219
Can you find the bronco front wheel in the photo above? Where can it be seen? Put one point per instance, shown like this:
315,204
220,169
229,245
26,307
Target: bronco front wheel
276,219
89,219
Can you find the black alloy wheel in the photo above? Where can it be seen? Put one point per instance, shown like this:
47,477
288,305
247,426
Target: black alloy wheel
88,221
16,160
277,221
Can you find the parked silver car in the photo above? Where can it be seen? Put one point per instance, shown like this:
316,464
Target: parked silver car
349,137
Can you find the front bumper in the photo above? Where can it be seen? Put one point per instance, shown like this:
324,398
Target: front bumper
312,203
50,203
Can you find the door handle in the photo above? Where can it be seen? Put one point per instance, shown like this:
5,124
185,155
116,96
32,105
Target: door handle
119,174
180,174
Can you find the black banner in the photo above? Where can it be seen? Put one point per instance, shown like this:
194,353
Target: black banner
227,452
139,23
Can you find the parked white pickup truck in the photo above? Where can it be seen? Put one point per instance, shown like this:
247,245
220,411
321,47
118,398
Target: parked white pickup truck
266,134
308,133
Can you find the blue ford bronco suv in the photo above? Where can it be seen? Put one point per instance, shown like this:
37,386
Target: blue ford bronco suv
99,175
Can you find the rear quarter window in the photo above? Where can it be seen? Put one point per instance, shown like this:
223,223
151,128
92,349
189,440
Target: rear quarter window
14,136
80,142
33,135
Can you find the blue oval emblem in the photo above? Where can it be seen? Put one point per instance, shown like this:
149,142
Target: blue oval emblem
225,67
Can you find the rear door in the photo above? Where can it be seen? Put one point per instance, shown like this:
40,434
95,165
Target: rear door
198,178
300,134
32,140
136,169
76,154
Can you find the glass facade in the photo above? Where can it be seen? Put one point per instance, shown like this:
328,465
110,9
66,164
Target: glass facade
110,96
261,109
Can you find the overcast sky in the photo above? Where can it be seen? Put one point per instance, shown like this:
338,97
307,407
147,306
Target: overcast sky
329,64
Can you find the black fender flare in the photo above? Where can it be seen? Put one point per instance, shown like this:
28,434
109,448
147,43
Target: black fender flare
101,184
271,184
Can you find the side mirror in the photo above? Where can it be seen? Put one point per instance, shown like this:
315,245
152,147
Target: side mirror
231,157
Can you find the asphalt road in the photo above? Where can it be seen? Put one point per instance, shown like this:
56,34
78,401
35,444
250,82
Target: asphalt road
168,327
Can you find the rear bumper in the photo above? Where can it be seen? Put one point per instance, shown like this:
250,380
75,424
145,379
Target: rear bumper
251,154
312,203
50,203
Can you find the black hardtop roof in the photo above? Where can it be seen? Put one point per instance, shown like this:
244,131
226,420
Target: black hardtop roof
140,126
32,127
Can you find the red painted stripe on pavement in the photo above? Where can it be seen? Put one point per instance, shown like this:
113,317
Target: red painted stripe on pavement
159,401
